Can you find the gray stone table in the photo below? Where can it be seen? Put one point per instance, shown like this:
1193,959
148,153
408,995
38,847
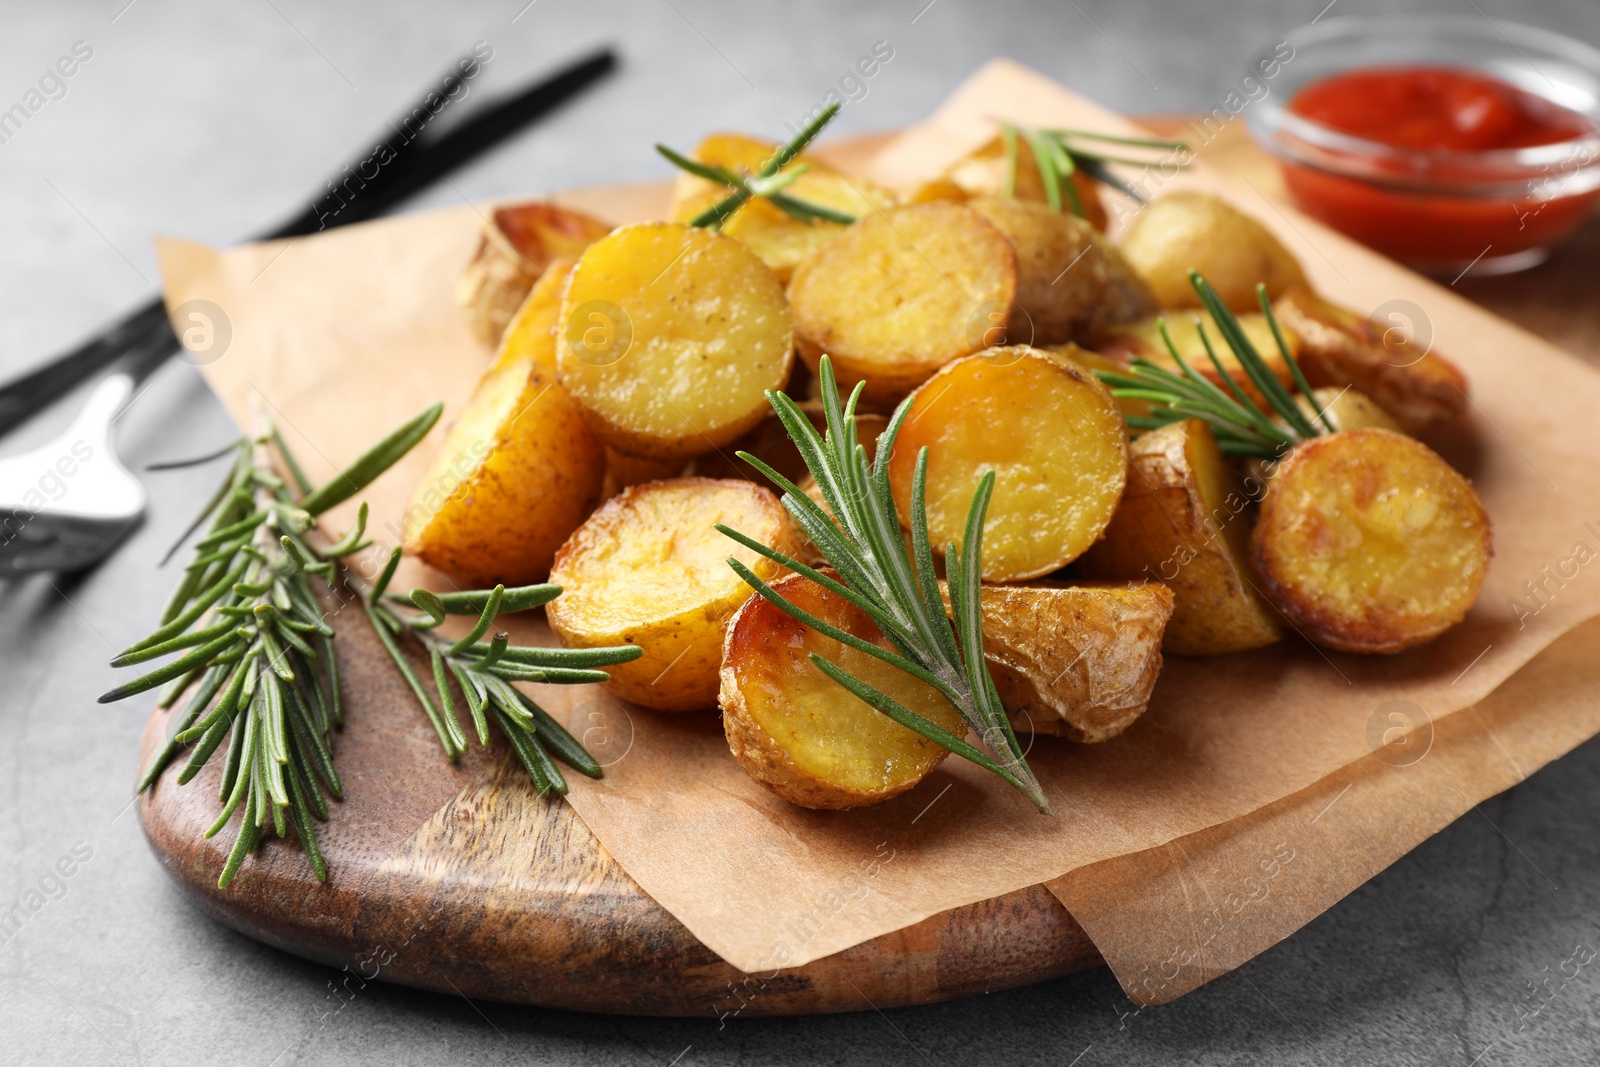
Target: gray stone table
211,120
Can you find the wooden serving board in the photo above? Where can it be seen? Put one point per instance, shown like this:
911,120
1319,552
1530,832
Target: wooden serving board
463,881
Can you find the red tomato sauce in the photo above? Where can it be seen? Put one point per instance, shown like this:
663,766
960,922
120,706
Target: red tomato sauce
1437,110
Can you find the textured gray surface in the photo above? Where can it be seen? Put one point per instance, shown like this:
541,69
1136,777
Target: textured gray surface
210,121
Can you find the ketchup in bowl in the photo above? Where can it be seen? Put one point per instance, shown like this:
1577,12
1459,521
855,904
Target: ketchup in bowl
1438,161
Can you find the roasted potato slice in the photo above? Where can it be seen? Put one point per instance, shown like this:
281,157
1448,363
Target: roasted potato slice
1091,360
1369,542
519,241
1200,231
781,240
800,733
1050,432
517,473
532,330
1184,522
901,293
985,173
649,569
1340,348
1142,340
670,338
1076,661
1064,274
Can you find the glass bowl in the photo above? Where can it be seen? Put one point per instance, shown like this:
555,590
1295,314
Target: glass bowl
1443,212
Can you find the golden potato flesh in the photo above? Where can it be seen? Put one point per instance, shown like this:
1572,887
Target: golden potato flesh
1142,340
531,333
1184,521
781,240
517,473
1369,542
518,244
1199,231
1054,439
649,569
901,293
1091,360
800,733
1418,389
1074,661
670,338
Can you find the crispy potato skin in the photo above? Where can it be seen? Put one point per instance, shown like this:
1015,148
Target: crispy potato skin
710,334
1050,432
1184,522
1076,661
1234,252
1340,348
519,241
1369,542
779,239
801,734
1142,339
648,569
984,174
1067,281
517,473
899,294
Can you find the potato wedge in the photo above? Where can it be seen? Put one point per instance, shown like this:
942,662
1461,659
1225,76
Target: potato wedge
1369,542
1050,432
671,336
1340,348
1189,230
1064,274
1142,340
518,243
1184,522
986,172
901,293
800,733
517,473
623,470
1075,661
781,240
648,569
532,330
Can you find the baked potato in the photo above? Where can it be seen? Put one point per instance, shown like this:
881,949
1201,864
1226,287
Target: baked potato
1369,542
532,330
1200,231
985,173
1054,439
1142,340
649,569
1074,661
901,293
518,243
1340,348
1067,283
518,471
781,240
803,735
1184,521
671,336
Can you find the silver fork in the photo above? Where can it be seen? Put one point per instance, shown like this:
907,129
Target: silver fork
65,504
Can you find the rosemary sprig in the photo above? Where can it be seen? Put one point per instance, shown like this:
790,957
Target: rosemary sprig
767,183
1241,427
878,575
1059,154
254,649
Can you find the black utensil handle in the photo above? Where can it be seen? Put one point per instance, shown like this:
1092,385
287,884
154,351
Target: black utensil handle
142,340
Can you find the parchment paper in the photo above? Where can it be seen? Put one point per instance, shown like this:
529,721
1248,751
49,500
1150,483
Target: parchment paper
345,334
